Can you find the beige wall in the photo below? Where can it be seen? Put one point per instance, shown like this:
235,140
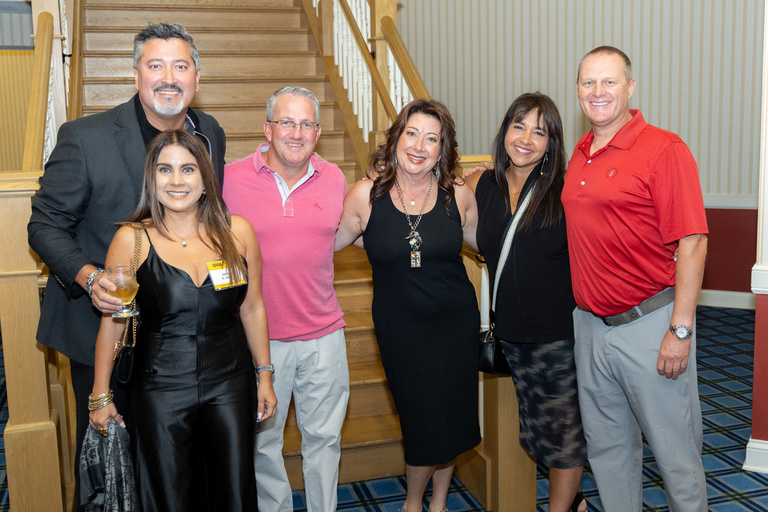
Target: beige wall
15,77
698,66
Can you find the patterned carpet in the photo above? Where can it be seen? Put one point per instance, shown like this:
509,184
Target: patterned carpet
725,353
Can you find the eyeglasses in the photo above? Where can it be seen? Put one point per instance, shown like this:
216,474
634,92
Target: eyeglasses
287,124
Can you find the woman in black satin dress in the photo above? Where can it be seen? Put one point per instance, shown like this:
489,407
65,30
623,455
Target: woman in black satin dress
193,401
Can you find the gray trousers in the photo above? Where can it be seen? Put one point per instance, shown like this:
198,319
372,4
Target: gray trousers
622,395
315,373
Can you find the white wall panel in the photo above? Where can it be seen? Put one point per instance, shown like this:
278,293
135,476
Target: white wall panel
698,66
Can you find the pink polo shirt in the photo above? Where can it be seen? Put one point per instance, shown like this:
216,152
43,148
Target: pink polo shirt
297,250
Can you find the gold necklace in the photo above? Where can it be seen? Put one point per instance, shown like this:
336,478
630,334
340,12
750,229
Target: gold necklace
412,199
183,238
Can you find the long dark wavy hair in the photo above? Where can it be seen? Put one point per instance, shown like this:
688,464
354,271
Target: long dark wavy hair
384,163
549,185
212,213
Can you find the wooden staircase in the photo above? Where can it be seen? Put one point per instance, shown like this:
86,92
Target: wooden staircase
249,49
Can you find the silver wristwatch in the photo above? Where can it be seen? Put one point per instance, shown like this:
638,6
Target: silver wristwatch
681,332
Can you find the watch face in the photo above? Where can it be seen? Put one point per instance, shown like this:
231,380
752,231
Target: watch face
682,332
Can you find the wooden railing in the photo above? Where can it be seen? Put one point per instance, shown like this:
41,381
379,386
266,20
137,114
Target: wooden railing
402,68
359,43
75,104
34,139
37,476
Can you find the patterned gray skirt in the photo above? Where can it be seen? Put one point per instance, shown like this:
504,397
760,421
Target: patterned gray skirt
550,421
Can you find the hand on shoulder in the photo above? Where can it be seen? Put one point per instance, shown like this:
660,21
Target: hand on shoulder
471,180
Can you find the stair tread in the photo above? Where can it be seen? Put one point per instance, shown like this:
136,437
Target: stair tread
360,320
196,30
214,53
195,7
206,107
355,433
366,372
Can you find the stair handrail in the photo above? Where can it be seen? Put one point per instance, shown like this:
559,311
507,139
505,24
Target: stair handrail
34,137
352,35
365,52
404,65
75,109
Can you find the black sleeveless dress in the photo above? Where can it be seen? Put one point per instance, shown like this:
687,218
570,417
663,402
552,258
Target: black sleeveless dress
192,397
426,322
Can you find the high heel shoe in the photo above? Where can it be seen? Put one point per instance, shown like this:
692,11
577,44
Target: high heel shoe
577,501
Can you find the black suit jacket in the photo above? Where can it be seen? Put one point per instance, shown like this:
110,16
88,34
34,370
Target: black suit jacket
92,182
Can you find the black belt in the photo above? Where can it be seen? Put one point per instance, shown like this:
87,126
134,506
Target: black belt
646,307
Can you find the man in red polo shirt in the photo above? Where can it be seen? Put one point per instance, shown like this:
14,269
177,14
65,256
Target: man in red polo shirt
637,243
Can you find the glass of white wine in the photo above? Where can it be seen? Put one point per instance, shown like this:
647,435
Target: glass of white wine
124,278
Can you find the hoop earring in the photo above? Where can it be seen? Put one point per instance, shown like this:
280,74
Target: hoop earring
544,163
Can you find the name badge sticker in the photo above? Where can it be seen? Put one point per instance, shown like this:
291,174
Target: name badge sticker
220,276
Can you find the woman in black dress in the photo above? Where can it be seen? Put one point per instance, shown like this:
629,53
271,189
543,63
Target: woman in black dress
413,216
192,397
534,301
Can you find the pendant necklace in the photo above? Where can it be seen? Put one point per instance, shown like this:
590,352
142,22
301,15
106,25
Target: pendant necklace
412,201
414,238
183,238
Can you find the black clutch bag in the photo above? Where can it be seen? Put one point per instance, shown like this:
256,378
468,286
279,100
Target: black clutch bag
492,358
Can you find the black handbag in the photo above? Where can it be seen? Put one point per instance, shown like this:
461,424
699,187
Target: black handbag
492,358
123,357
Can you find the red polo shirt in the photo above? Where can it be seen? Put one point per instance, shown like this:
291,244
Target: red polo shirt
626,207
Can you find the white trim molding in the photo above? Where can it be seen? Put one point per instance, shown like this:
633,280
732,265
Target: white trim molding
757,456
730,201
760,278
723,299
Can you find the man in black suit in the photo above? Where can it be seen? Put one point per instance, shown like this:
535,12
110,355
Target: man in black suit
93,181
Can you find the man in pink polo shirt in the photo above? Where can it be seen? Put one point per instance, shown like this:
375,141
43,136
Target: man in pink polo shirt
294,201
637,243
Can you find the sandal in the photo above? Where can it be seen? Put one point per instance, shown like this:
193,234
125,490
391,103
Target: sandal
577,501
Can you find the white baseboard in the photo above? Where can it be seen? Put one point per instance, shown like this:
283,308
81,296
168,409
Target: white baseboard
757,456
723,299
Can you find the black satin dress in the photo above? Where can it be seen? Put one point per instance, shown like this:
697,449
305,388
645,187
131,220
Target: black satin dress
192,398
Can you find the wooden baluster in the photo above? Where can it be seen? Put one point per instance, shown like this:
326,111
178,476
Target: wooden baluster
380,121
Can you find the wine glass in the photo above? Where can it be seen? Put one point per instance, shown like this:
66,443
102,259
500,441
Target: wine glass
124,278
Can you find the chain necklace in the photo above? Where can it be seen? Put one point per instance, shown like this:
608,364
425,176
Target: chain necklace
183,238
414,238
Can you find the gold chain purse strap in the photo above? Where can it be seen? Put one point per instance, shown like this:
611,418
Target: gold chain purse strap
133,321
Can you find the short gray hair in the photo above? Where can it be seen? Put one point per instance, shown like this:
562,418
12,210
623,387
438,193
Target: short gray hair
296,91
163,31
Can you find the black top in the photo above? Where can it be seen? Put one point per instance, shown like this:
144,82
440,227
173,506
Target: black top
535,301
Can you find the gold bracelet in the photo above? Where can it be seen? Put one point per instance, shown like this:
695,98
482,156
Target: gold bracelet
100,401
